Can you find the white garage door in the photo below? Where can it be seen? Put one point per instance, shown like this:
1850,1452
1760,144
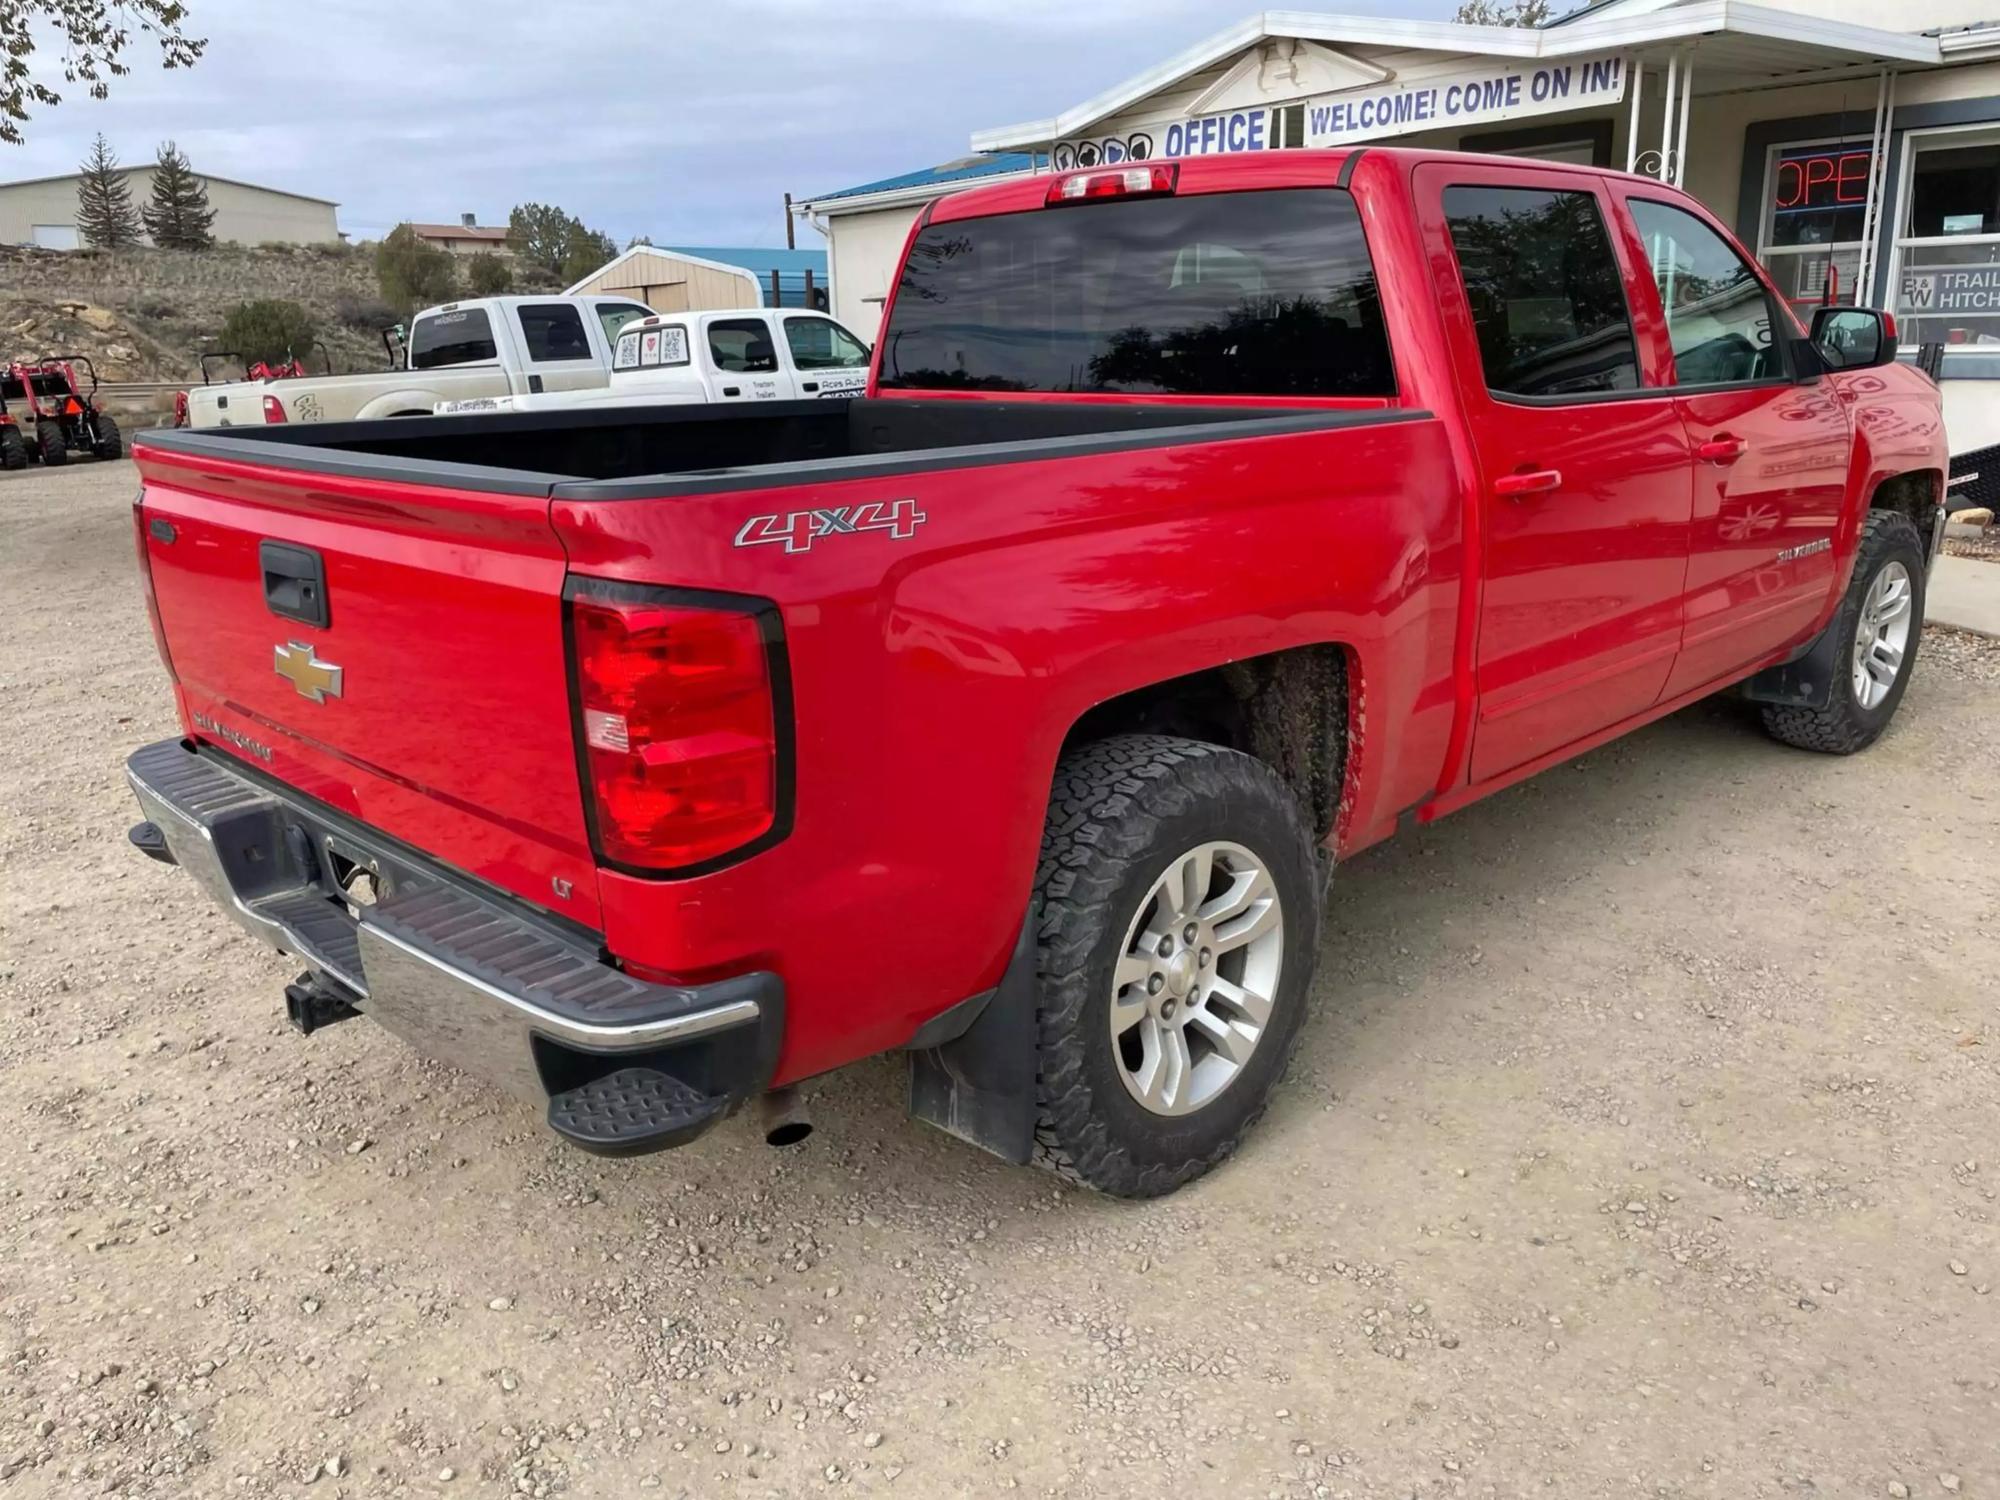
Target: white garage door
57,236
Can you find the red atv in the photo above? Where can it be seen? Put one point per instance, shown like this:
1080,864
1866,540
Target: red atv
65,419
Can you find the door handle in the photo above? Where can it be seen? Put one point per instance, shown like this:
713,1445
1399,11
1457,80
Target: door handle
1527,482
809,385
1723,448
294,582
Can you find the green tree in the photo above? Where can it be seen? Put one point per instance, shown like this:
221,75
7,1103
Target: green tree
1505,12
178,218
104,213
411,273
537,234
487,275
95,36
540,234
271,329
586,251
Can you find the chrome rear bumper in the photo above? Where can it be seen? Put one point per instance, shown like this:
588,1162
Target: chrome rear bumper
458,971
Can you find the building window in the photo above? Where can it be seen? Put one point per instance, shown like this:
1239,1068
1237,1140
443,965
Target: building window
1947,283
1815,199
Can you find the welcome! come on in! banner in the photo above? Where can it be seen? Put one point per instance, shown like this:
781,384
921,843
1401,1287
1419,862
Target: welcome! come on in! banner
1477,96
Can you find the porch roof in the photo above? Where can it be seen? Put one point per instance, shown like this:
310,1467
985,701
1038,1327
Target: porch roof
1734,44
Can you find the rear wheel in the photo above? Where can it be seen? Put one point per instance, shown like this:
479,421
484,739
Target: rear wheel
1179,923
1881,619
13,448
110,442
54,447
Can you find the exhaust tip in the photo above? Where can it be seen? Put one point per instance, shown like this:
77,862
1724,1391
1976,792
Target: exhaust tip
785,1121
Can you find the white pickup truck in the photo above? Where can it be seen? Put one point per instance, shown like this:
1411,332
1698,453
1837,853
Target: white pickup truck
481,347
737,355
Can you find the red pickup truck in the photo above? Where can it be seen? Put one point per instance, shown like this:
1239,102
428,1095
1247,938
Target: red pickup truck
1203,522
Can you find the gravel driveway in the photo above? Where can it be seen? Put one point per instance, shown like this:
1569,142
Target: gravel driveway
1643,1144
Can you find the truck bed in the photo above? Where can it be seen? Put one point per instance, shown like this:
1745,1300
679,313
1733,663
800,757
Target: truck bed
704,449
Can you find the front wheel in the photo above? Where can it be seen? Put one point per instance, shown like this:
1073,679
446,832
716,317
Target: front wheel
1881,620
1180,908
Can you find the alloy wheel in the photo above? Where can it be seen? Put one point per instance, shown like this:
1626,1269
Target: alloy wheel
1882,635
1192,991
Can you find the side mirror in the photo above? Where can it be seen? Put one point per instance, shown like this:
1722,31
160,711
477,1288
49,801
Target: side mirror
1854,338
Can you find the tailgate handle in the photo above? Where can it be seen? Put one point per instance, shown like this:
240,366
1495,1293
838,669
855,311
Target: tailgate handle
294,582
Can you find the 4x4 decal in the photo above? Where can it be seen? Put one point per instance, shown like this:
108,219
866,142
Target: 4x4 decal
799,529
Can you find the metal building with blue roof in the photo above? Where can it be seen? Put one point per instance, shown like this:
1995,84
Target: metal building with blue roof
700,278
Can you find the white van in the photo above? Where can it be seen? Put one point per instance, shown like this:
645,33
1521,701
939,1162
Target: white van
734,355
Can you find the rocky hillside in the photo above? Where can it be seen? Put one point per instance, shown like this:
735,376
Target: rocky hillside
147,314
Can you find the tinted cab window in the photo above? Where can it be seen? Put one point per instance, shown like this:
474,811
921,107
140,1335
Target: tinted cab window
822,344
1718,314
553,331
742,346
1548,300
615,315
462,337
1259,293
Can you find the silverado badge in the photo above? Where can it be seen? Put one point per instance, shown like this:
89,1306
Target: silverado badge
315,679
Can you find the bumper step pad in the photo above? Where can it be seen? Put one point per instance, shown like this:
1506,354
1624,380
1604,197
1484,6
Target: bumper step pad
632,1111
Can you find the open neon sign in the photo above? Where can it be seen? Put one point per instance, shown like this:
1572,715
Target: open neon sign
1821,179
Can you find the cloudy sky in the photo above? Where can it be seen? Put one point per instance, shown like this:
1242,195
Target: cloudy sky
684,120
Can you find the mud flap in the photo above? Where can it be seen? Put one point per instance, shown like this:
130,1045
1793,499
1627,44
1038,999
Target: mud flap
1806,681
980,1084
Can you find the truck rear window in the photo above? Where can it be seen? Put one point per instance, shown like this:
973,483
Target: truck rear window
1223,294
452,338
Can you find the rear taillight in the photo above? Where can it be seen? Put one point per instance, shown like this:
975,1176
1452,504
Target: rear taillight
181,417
274,409
1115,182
140,526
679,721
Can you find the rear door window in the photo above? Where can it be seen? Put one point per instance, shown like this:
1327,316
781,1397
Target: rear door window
459,337
1222,294
1548,299
553,332
742,346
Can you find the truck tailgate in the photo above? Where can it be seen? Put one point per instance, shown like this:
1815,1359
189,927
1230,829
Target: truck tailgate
432,703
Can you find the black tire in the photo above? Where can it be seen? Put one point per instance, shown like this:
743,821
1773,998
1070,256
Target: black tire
13,448
1122,811
1844,726
110,442
54,448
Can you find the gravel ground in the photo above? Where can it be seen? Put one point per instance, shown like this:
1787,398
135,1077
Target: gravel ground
1978,548
1642,1143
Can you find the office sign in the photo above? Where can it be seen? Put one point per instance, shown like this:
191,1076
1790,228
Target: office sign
1485,95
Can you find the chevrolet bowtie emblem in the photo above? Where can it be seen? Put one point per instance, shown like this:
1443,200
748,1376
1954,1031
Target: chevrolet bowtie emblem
315,679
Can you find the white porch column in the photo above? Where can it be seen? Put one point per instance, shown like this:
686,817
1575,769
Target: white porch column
1681,137
1878,183
1667,118
1636,82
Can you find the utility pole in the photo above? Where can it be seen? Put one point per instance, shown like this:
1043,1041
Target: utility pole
791,242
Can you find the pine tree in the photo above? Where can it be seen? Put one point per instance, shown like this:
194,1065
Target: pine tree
178,218
104,213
